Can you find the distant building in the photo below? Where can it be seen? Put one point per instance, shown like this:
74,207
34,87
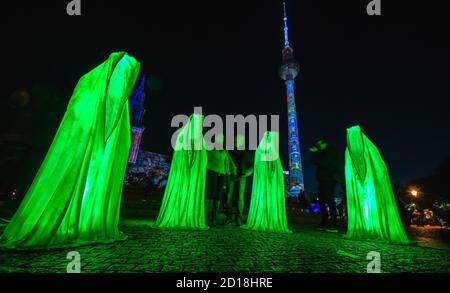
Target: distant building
137,111
144,169
149,169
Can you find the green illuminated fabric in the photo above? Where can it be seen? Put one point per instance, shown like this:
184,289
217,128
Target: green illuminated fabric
371,206
267,207
183,205
75,196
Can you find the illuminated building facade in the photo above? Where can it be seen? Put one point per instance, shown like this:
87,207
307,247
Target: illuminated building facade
137,111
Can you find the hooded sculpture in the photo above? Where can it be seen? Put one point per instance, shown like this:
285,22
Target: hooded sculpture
183,205
267,207
75,196
371,206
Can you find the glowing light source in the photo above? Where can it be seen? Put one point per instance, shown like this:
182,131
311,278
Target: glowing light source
267,207
183,205
371,206
75,196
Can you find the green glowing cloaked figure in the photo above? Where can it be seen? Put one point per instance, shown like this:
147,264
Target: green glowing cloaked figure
75,196
183,205
371,206
267,207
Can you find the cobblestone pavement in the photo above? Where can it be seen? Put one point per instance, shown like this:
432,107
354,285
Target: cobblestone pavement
230,249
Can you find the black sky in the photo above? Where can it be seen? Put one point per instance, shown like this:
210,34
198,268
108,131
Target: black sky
389,74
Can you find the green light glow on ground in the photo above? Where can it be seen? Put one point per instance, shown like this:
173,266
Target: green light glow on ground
371,206
75,196
183,205
267,207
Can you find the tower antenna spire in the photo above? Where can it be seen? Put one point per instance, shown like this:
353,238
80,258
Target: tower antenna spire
286,34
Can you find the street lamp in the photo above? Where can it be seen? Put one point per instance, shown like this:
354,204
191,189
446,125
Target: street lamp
413,191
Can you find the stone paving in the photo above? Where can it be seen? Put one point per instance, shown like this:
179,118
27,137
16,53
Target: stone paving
230,249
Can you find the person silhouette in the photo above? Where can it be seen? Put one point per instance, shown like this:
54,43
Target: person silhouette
324,157
243,162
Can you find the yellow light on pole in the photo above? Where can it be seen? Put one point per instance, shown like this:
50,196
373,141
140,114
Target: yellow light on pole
414,192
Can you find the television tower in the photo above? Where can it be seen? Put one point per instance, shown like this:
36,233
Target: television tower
288,71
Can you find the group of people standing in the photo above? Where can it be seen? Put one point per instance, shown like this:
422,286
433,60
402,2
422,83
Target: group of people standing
204,176
226,179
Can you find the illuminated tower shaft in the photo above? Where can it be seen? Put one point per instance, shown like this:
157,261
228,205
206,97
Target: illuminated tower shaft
288,72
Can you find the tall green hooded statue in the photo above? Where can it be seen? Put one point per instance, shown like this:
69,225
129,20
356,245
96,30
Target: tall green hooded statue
267,207
183,205
371,206
75,196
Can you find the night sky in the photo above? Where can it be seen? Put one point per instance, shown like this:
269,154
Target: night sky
390,74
